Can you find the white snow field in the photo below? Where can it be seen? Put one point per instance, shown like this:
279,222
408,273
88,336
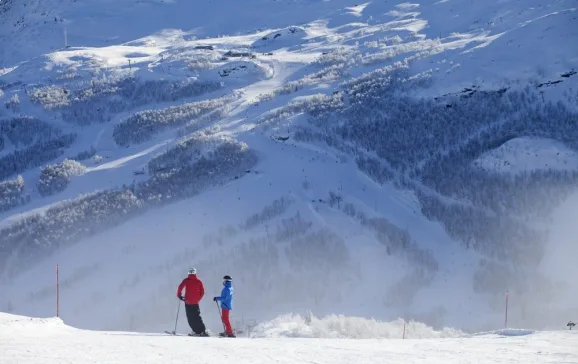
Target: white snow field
386,159
30,340
528,154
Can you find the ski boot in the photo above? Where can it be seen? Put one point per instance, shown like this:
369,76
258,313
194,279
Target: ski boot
224,334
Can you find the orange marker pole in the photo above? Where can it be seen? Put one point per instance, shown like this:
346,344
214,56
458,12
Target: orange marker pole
57,293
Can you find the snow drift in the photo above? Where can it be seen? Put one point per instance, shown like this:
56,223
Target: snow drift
514,332
20,325
27,340
344,327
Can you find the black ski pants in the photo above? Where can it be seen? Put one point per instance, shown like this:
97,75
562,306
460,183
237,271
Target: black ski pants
194,318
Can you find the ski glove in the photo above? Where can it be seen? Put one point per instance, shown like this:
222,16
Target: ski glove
182,298
216,299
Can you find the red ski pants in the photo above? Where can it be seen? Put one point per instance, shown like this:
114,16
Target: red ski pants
226,321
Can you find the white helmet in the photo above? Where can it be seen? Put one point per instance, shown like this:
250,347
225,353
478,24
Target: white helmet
192,270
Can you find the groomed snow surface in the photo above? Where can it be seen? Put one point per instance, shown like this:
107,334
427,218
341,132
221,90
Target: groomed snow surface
33,340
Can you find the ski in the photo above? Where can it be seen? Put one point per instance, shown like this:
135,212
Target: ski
172,333
188,335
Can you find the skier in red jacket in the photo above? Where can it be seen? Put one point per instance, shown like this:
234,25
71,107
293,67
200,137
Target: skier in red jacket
194,292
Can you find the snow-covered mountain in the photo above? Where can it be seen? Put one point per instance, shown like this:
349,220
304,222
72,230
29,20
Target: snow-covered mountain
383,159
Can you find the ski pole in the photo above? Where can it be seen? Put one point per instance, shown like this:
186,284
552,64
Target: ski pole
177,319
221,316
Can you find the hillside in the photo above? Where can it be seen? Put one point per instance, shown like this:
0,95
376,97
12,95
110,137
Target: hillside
386,160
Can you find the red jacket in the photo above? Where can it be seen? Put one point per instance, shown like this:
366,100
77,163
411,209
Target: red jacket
194,289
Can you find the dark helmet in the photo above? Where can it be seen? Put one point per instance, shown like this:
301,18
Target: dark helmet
227,278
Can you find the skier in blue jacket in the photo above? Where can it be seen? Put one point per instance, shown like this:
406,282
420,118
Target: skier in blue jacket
226,300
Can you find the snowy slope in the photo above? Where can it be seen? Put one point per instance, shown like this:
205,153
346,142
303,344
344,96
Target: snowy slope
86,69
155,270
25,340
528,154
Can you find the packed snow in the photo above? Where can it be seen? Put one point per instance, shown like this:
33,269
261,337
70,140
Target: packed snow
28,340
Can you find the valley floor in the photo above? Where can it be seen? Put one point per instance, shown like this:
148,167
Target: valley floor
31,340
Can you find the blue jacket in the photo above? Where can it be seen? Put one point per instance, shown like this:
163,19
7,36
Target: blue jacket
226,297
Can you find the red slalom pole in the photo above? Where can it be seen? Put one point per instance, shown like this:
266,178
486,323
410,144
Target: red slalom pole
57,293
506,319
